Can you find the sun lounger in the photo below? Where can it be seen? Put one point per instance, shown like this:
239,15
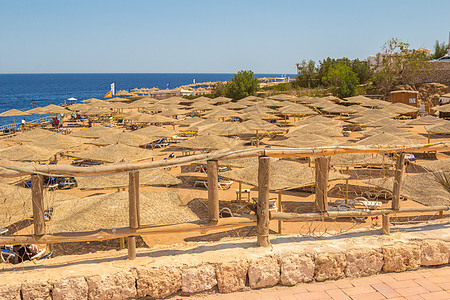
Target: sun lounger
225,184
243,191
272,203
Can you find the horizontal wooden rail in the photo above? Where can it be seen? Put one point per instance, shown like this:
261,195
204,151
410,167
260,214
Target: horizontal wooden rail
108,234
283,216
67,170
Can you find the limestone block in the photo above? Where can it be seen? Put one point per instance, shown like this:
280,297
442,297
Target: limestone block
158,282
231,276
36,290
329,266
433,253
363,262
10,292
264,272
111,286
198,279
70,288
296,269
401,257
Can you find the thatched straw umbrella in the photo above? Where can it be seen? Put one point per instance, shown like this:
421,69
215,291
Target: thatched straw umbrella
28,153
203,106
258,125
111,211
391,130
386,139
435,165
118,99
321,120
119,180
221,113
188,121
146,118
319,129
258,115
34,135
386,122
282,97
296,109
270,103
306,140
116,153
171,100
203,124
250,98
442,108
173,112
221,100
54,109
443,128
339,109
233,105
156,131
126,138
422,188
257,109
209,142
91,100
401,108
225,128
360,159
13,113
95,132
427,120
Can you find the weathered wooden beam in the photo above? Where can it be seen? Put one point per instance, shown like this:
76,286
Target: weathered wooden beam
108,234
213,190
134,211
321,186
347,214
262,209
386,225
398,176
37,196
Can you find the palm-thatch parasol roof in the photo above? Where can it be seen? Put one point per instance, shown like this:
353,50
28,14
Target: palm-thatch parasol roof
282,97
16,203
297,109
442,108
146,178
440,128
203,106
156,131
225,128
386,122
125,138
250,98
306,140
188,121
284,175
427,120
172,112
319,103
54,109
339,109
28,153
435,165
260,125
221,100
391,130
233,105
222,113
202,124
14,113
270,102
107,211
258,115
401,108
118,99
360,159
422,188
209,142
317,120
95,132
386,139
257,109
172,100
116,153
146,118
91,100
34,134
94,111
319,129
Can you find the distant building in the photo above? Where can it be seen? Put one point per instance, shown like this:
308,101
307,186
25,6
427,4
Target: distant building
444,99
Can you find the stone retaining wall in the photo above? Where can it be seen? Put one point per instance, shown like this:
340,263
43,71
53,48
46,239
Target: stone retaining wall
284,268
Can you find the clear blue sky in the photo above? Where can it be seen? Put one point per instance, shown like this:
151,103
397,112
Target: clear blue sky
144,36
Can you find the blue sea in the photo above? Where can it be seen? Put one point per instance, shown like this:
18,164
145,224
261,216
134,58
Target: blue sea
26,91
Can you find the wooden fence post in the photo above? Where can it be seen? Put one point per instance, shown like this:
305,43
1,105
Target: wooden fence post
386,226
280,209
262,209
134,214
321,164
213,190
398,175
37,196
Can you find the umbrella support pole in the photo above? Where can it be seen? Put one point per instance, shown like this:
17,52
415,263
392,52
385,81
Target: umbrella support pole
240,193
133,198
280,210
37,197
213,190
346,186
321,164
398,175
262,209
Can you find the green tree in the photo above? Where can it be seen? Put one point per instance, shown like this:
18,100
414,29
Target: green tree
362,69
395,64
220,89
440,49
307,74
342,80
242,85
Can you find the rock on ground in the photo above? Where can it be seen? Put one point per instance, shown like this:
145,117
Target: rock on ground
433,253
198,279
111,286
363,262
401,257
296,269
36,290
329,266
158,282
75,288
264,272
10,292
231,276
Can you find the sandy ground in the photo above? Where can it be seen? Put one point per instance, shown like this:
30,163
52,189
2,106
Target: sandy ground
292,201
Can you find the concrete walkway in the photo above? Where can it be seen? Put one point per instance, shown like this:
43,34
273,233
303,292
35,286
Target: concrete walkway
429,283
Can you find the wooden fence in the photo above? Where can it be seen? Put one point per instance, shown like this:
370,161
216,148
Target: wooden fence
262,218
